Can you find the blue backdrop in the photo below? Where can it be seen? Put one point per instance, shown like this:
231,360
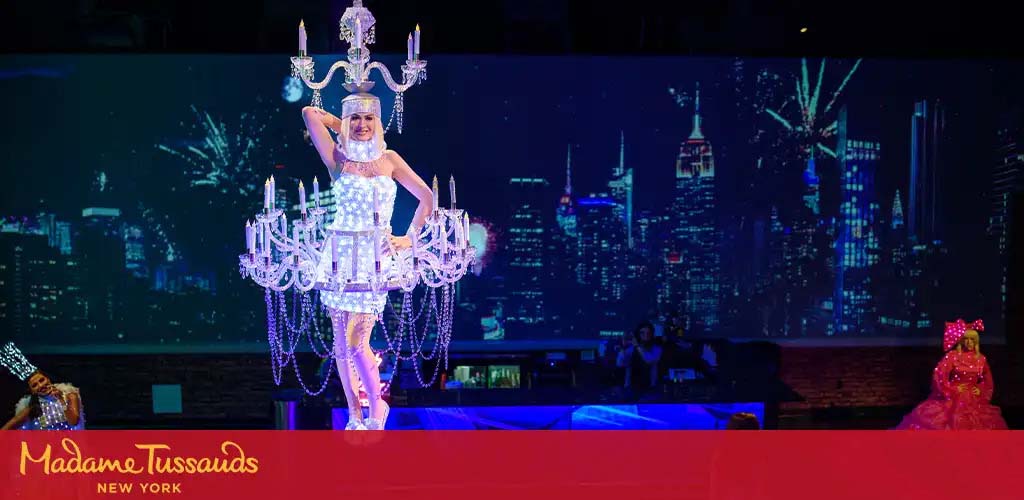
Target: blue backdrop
752,198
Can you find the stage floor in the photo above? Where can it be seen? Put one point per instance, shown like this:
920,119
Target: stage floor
681,416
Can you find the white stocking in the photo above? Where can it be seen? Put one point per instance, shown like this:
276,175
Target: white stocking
346,370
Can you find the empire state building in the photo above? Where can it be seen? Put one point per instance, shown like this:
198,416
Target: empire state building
693,271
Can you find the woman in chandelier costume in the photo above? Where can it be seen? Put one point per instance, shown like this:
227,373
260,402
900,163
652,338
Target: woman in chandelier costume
961,386
361,166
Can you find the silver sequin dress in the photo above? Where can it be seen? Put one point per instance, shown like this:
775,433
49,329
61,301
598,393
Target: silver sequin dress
353,195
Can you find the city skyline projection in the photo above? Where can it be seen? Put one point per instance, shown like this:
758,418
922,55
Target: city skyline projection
866,203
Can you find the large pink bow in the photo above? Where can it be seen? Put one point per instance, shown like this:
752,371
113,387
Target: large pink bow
956,330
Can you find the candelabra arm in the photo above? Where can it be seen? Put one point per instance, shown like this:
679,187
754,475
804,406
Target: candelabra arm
287,244
271,278
310,273
282,241
327,79
389,81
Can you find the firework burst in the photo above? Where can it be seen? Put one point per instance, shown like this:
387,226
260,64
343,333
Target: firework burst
219,158
484,237
681,97
814,127
216,164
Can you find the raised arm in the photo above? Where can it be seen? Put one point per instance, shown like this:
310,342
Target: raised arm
624,356
408,178
319,123
73,408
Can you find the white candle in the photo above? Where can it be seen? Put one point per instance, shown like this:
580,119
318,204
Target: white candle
284,226
273,194
359,34
416,42
302,38
409,50
266,239
334,250
457,232
451,189
316,192
250,237
266,194
302,198
434,191
466,227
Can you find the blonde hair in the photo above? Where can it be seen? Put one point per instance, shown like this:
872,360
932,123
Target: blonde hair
973,334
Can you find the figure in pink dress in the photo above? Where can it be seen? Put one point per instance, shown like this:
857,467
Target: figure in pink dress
961,386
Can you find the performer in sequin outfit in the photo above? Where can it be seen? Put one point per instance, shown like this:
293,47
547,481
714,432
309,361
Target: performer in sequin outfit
361,167
48,406
961,386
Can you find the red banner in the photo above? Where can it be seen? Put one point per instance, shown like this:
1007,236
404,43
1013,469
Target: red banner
238,465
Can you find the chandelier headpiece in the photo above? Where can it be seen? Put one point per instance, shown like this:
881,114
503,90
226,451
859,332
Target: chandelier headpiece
15,362
356,27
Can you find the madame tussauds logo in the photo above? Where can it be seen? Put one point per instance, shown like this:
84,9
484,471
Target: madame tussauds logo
152,459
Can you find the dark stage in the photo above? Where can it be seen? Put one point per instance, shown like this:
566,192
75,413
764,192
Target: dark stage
815,388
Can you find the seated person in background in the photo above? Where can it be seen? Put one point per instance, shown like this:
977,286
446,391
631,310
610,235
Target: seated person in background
743,421
679,353
640,353
673,326
622,352
48,406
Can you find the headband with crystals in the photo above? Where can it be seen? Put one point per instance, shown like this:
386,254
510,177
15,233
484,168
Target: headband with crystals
360,102
15,362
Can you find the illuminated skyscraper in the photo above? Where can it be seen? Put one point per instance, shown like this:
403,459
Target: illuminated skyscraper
602,257
48,227
646,233
64,237
907,283
565,214
34,278
812,196
135,251
694,281
897,212
103,266
857,245
527,253
621,187
1007,179
563,263
907,288
927,133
